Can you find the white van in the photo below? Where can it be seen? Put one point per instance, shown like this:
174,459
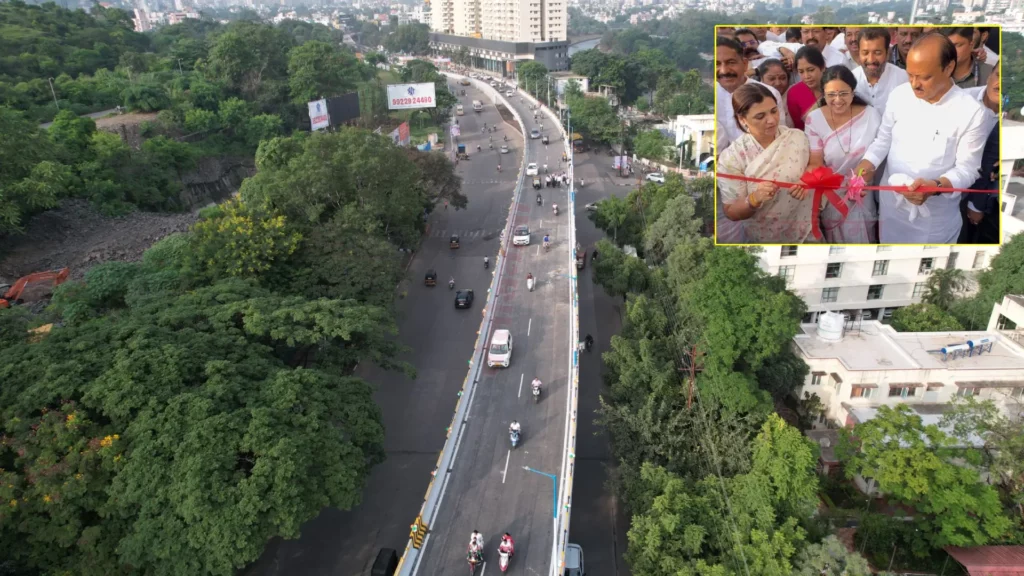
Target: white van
478,106
500,351
574,560
460,110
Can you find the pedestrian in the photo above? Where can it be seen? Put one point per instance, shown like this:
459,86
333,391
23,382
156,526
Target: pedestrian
445,204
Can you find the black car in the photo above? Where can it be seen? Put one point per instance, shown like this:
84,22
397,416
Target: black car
464,299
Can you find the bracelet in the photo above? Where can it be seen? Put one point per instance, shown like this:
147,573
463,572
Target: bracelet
753,206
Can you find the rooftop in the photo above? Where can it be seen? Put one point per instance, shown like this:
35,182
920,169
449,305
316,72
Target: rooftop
990,560
876,346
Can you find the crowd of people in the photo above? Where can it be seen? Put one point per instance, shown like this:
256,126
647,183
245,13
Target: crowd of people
899,107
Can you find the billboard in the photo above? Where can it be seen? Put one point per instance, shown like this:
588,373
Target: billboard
318,117
343,108
400,135
408,96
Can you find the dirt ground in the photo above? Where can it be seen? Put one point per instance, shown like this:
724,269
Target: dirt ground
126,119
77,236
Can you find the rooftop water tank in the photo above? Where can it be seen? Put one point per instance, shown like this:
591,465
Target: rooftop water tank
830,326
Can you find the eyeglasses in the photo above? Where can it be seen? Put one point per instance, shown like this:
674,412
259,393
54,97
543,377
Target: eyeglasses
835,95
749,43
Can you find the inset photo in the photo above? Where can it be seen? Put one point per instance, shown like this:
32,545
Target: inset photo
854,135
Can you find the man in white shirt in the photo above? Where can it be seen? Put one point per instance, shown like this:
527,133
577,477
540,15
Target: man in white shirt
730,74
776,34
933,132
818,38
876,78
851,48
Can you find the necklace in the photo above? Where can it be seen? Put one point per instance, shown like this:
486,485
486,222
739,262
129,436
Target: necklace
849,143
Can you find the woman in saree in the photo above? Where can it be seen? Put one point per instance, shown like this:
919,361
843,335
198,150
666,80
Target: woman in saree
767,150
773,73
839,133
803,97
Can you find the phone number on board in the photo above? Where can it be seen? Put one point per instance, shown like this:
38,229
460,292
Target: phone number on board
414,100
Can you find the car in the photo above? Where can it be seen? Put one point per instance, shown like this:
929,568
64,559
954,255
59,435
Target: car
510,93
592,207
534,134
464,299
464,82
531,169
574,560
500,351
493,83
504,149
521,236
655,177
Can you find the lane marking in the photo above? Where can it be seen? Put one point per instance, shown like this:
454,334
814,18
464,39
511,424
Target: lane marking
483,568
505,471
529,325
520,395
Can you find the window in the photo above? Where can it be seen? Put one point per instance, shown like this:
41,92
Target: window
951,261
926,266
788,251
787,273
901,391
918,289
979,260
833,250
883,249
816,378
881,268
968,391
829,295
862,392
875,291
833,270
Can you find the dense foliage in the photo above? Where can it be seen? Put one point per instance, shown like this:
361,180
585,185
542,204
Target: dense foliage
189,407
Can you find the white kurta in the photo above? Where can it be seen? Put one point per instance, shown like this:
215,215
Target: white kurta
924,140
833,57
771,49
892,76
991,57
726,129
991,119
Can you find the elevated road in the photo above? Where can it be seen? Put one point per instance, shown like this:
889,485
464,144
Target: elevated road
490,488
417,412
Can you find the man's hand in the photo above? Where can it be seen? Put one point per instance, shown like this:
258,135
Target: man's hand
981,54
917,198
866,170
974,217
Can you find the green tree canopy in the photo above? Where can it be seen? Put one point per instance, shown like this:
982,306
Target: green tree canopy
924,318
318,69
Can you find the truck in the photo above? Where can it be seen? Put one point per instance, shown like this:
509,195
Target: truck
478,106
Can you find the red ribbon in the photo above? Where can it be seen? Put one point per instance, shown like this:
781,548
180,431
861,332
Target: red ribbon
824,182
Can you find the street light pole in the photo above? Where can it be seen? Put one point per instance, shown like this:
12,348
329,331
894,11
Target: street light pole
50,80
179,67
554,489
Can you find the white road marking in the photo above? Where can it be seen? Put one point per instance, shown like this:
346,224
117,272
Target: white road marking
520,395
529,325
505,471
483,568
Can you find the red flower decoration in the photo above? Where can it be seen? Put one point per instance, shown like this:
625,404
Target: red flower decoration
824,182
822,178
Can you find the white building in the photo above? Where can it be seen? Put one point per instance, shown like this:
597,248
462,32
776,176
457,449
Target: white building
857,367
698,130
536,21
867,282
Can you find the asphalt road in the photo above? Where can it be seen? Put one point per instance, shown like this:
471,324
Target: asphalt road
417,412
489,490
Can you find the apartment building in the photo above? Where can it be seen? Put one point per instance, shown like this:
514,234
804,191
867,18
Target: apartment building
866,282
855,368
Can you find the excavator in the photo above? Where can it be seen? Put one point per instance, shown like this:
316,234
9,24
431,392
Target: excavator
32,288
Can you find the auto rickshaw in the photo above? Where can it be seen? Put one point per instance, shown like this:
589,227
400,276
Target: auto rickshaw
461,152
536,182
453,242
581,259
431,278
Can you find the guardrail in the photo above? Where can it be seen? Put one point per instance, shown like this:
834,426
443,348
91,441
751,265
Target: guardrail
409,563
572,402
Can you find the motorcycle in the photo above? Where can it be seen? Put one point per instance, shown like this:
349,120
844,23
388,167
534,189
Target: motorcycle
451,284
514,438
503,558
529,284
536,394
555,208
540,200
487,263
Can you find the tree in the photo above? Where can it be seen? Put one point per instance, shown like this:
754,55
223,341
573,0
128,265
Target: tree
921,466
30,181
924,318
831,558
1005,275
595,118
145,97
533,74
588,63
943,287
240,241
675,225
318,69
412,38
438,178
247,56
651,144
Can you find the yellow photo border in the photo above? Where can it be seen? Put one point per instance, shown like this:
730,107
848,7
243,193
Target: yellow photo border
999,120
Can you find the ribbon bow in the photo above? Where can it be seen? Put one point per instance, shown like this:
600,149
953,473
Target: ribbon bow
855,189
824,182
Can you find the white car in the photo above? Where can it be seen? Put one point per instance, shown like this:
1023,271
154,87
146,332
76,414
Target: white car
592,207
534,134
521,236
656,177
531,169
500,351
504,149
510,93
493,83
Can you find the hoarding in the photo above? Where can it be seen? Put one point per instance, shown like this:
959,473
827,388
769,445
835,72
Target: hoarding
407,96
400,135
343,108
318,117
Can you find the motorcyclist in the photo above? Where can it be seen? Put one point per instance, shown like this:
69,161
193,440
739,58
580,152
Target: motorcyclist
499,167
476,540
593,257
540,198
547,239
555,208
507,545
451,281
536,384
490,145
545,168
487,262
514,427
589,341
477,147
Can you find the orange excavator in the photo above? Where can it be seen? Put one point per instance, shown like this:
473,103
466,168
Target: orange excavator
32,288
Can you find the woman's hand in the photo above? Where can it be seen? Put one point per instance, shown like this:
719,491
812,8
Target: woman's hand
799,192
764,192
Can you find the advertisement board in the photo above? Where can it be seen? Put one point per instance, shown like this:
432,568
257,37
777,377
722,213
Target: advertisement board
400,135
407,96
318,117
